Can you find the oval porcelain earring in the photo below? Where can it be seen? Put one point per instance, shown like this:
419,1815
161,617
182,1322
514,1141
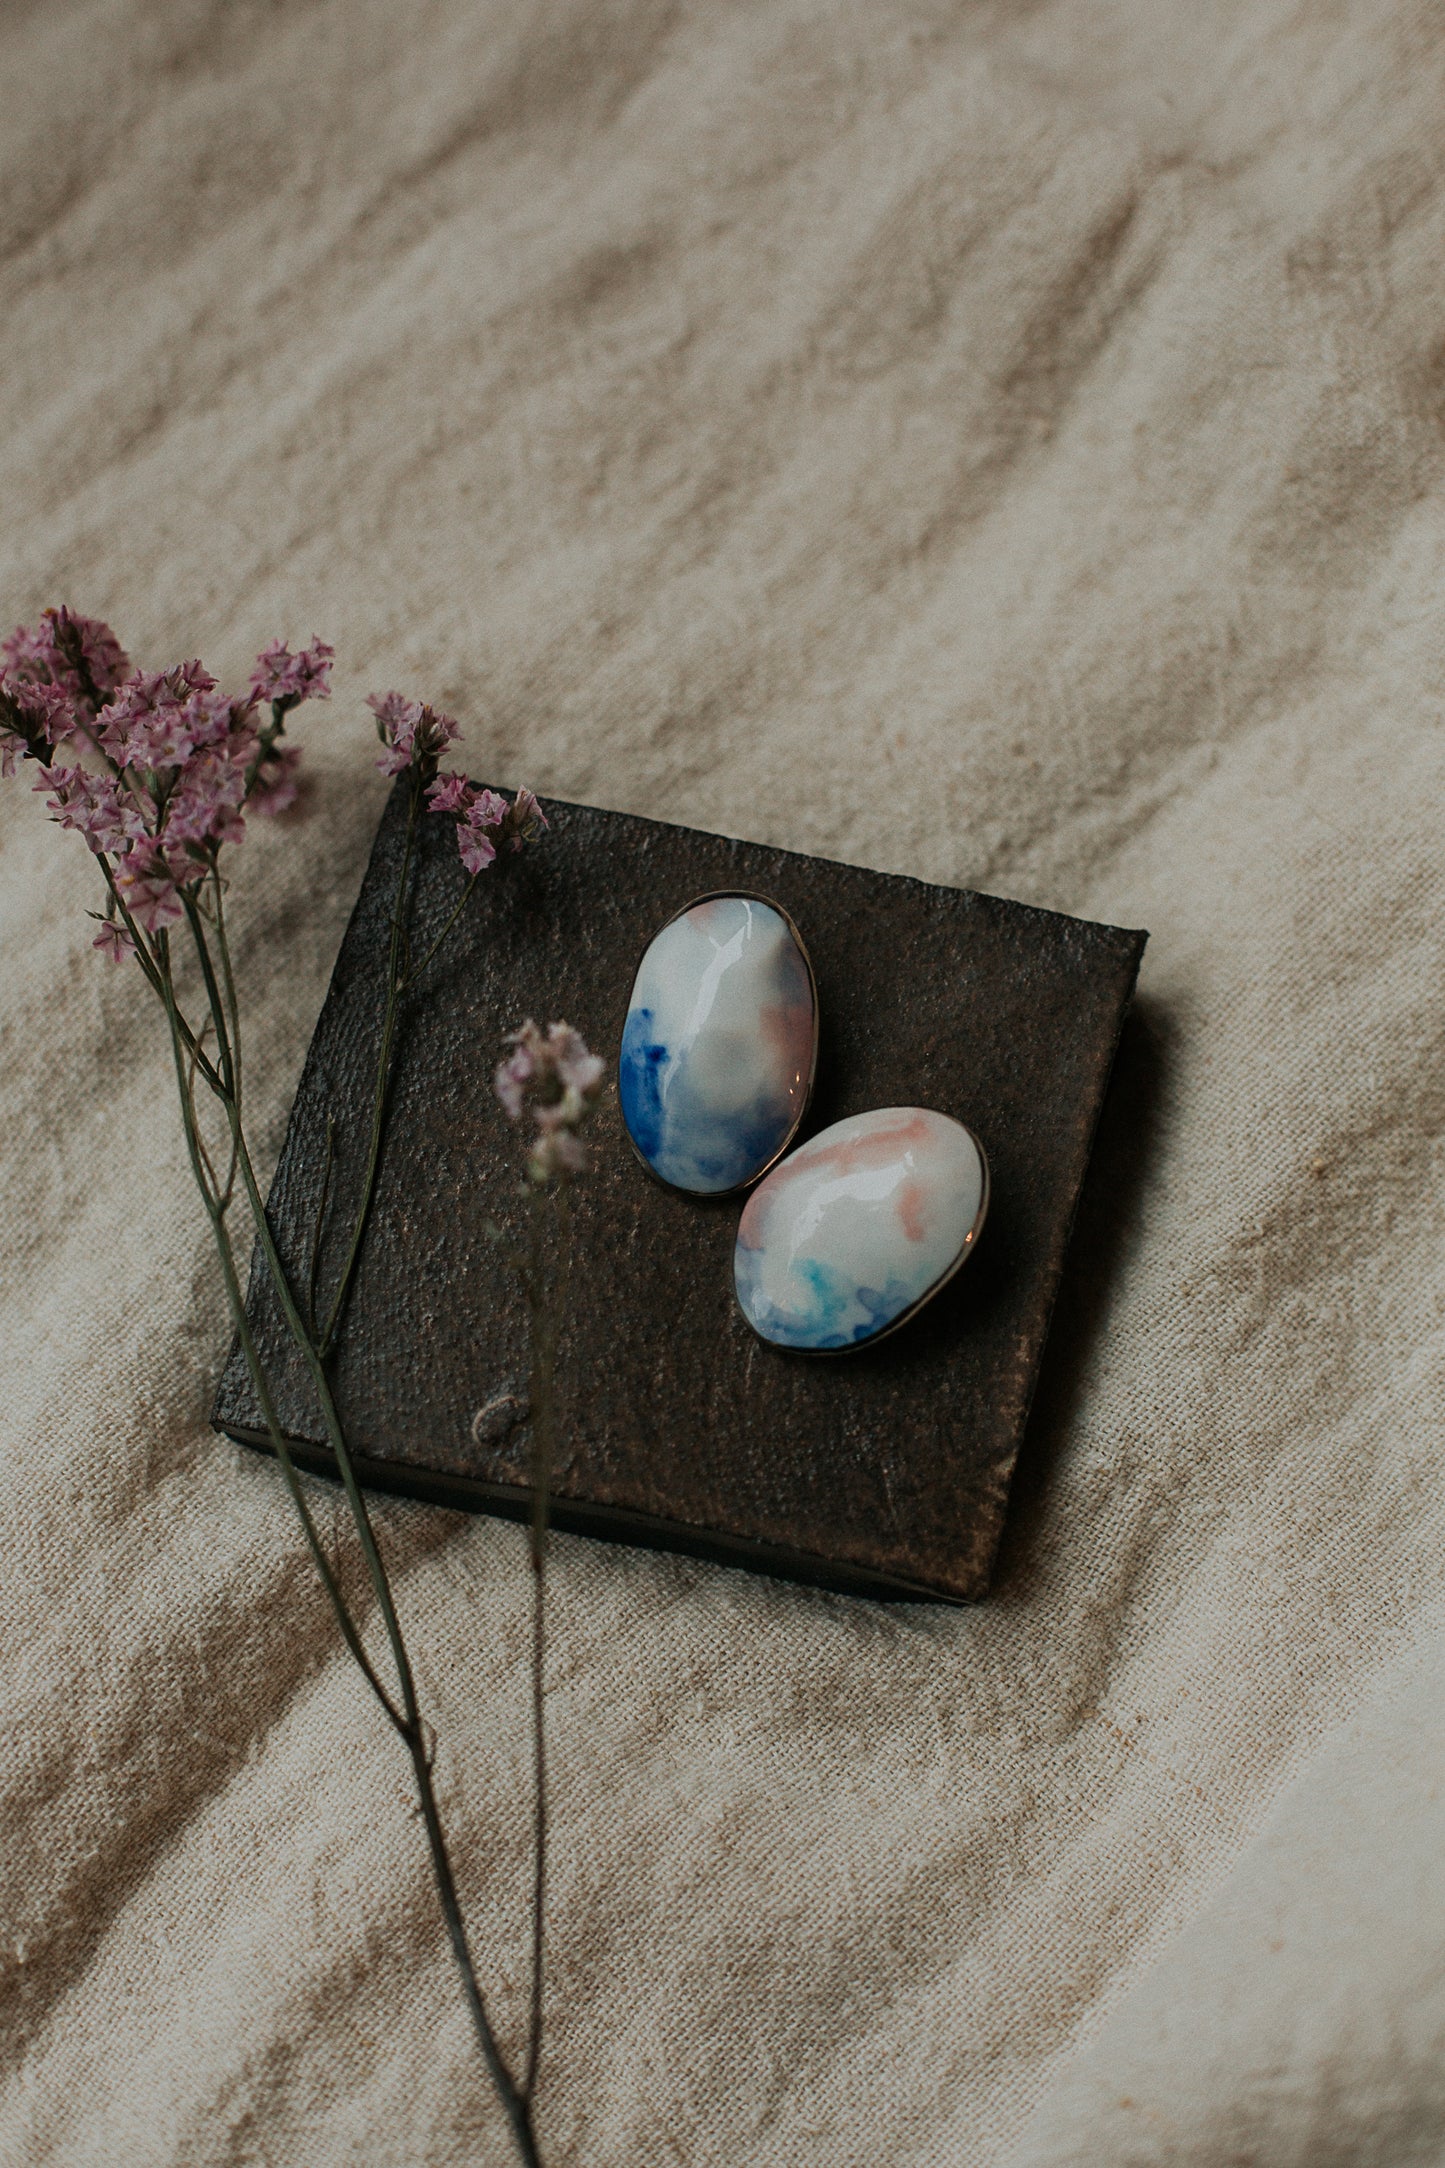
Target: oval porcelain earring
854,1232
720,1044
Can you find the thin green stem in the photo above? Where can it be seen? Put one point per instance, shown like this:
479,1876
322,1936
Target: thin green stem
319,1228
255,1368
310,1355
394,985
222,1202
214,1003
414,971
408,1720
150,963
517,2105
233,1012
547,1303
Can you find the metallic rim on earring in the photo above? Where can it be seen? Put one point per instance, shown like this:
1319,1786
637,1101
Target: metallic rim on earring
747,895
904,1317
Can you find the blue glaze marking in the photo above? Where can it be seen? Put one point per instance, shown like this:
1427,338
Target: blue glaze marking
824,1296
640,1084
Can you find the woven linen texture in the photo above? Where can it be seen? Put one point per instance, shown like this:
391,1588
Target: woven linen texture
999,443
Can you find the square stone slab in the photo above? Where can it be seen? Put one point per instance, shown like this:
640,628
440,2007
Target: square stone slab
884,1471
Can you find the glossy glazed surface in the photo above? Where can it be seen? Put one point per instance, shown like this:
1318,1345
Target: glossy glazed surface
857,1227
718,1047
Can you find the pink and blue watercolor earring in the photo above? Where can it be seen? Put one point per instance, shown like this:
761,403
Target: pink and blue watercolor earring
854,1232
720,1044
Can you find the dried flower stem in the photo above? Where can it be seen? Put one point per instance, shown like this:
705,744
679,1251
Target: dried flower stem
552,1075
394,990
402,1708
157,772
547,1303
407,1719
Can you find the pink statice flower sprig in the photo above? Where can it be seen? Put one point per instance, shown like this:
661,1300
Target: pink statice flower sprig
156,770
413,739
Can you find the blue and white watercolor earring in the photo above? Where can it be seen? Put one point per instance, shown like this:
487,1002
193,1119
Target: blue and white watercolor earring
720,1044
854,1232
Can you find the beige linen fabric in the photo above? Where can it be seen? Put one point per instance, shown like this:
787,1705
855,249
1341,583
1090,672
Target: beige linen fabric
1002,443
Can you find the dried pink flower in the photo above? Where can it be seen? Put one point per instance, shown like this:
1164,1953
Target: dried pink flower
92,805
556,1153
275,786
148,888
204,808
391,711
476,838
396,721
151,722
286,680
47,712
91,648
80,655
515,1073
579,1070
27,651
35,720
182,760
450,794
116,940
476,847
556,1073
410,732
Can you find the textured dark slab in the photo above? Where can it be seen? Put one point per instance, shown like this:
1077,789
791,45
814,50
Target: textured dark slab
882,1471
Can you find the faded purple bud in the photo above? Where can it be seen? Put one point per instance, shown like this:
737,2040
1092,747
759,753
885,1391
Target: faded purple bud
524,821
